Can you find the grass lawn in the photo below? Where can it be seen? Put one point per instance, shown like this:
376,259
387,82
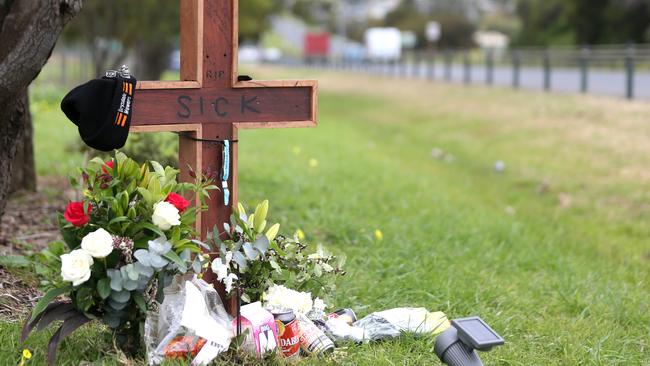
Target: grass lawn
553,252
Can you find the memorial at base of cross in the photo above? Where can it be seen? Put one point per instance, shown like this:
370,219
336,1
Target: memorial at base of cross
209,104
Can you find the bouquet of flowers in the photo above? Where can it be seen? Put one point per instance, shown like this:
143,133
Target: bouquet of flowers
129,235
254,258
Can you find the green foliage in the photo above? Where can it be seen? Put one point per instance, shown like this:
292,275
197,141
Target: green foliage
142,146
260,258
549,22
111,29
565,285
120,197
253,18
457,30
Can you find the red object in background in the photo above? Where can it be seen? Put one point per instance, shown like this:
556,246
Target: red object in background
317,45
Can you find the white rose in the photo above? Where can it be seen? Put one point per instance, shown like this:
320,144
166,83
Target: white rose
75,266
99,243
165,215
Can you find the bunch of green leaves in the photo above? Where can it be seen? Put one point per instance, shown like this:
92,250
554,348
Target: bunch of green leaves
261,259
123,199
119,198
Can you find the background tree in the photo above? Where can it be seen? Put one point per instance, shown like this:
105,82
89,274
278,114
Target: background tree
253,18
111,29
28,32
457,29
552,22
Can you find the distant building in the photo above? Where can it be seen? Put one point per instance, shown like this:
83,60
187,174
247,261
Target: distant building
491,40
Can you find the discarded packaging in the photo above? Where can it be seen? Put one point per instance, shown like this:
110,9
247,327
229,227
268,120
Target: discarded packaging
182,346
313,340
346,315
262,335
191,318
392,323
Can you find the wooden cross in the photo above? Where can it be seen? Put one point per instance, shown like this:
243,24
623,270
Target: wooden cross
211,104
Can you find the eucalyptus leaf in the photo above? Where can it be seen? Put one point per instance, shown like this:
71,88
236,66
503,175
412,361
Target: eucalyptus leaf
132,272
262,244
130,285
196,266
157,261
250,252
185,255
223,250
116,304
116,283
142,255
240,260
160,246
111,320
120,296
143,270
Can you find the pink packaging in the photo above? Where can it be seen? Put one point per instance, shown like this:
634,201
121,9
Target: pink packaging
262,334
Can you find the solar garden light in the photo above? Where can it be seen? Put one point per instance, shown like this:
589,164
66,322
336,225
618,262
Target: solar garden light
457,345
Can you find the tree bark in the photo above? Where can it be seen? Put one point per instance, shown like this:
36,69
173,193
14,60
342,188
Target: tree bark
23,173
28,33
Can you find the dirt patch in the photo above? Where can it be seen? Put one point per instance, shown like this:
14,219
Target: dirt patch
29,222
16,297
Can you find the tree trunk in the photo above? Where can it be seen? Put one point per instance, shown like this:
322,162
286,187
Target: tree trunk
28,32
23,173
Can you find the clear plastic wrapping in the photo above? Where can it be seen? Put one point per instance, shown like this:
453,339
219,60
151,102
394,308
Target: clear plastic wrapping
191,320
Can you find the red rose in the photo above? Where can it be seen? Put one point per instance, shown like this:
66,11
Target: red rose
75,214
178,201
108,164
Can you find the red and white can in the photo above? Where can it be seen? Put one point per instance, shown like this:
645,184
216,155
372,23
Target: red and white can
288,333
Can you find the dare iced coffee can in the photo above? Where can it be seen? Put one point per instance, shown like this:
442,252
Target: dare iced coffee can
288,333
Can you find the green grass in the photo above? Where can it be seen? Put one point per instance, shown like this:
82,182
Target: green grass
565,284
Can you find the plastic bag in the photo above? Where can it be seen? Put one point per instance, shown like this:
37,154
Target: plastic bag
391,323
191,320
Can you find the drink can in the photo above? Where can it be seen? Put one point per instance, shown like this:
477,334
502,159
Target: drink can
346,315
312,339
288,333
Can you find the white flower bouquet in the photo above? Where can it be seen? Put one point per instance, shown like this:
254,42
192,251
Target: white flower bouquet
132,232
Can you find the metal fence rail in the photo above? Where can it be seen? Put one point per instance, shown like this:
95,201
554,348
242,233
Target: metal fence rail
615,70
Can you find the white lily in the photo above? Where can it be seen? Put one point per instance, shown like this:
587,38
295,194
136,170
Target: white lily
220,269
229,280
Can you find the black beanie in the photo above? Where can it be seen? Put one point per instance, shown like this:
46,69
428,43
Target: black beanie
101,108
